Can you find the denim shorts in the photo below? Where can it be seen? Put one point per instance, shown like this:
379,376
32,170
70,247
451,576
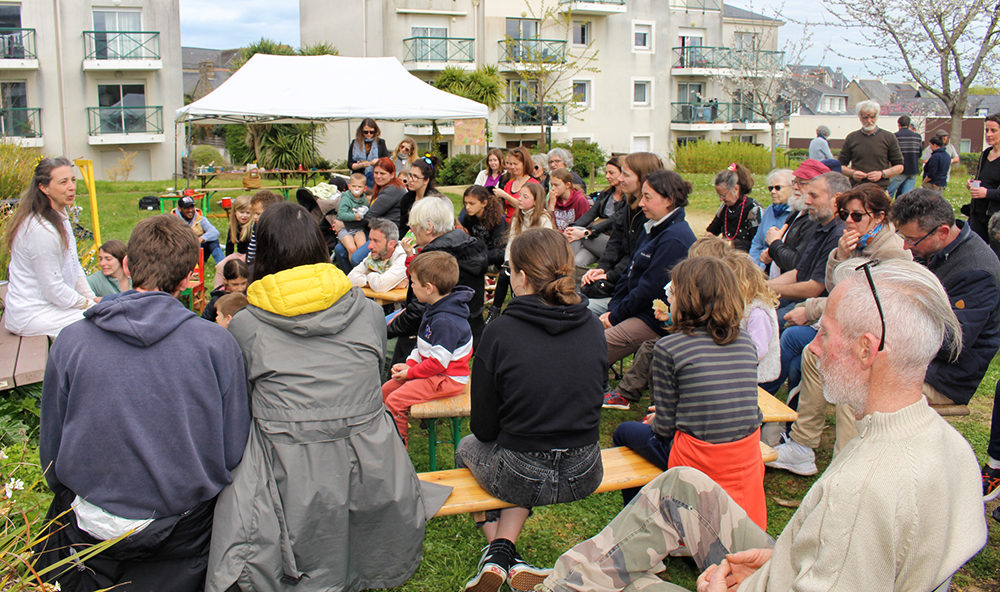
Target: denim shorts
531,479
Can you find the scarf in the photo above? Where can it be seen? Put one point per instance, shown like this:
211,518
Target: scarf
359,154
377,265
779,209
864,240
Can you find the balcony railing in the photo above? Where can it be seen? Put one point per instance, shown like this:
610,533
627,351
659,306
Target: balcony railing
125,120
611,2
17,44
550,51
20,122
704,112
525,113
696,4
121,45
724,57
439,49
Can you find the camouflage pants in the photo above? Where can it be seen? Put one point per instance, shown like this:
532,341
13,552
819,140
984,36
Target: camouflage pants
680,507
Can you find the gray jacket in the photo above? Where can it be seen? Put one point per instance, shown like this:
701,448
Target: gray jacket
326,497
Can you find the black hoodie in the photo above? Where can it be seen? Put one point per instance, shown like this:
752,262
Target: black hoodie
537,377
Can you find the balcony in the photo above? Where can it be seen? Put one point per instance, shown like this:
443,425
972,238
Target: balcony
125,125
592,7
709,61
121,50
522,117
17,49
522,53
436,53
703,116
22,126
702,5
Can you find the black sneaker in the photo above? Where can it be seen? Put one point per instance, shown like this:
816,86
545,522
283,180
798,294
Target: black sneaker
991,483
490,575
492,315
524,576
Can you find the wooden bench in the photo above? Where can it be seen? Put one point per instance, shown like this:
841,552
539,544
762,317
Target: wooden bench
951,410
455,408
623,469
22,359
383,298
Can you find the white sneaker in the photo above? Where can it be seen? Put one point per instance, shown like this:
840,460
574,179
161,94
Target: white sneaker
794,457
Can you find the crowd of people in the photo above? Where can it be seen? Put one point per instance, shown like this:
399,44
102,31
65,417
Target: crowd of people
267,450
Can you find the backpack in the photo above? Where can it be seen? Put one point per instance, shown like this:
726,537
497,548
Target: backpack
149,202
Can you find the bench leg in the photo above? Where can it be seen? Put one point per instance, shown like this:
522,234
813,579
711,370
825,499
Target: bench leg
432,442
456,431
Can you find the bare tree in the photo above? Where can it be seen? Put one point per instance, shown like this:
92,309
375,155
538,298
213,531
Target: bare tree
761,83
944,45
547,67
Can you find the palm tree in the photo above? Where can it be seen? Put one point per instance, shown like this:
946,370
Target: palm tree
483,85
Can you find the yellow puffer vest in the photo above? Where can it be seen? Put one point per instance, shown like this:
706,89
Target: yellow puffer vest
300,290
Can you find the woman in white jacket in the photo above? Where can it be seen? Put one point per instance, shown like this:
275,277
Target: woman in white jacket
48,289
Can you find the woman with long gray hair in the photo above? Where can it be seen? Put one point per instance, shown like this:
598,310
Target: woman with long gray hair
48,289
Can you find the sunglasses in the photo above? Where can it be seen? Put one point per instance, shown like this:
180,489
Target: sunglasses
776,187
856,216
368,132
878,303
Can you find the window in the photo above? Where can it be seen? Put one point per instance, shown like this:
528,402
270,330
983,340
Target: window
982,112
642,36
746,41
122,108
834,104
684,140
581,92
522,28
113,44
691,55
747,139
10,16
14,116
689,92
641,95
965,146
642,143
581,33
430,44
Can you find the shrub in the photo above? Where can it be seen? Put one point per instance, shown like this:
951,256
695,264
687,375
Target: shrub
970,160
206,155
711,157
17,164
236,145
460,169
584,154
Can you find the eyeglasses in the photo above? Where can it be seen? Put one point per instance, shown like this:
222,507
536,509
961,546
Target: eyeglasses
856,216
878,303
416,177
776,187
505,268
368,132
910,241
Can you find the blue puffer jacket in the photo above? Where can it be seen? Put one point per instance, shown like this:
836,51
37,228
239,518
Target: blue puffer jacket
655,254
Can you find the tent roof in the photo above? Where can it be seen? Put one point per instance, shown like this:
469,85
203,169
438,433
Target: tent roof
297,89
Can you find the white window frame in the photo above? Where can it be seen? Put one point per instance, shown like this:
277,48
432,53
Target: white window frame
589,98
589,27
651,38
649,93
583,138
632,137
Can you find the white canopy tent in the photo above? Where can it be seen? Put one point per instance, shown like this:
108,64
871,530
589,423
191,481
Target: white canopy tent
304,89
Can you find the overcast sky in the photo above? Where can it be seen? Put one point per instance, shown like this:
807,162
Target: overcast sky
224,24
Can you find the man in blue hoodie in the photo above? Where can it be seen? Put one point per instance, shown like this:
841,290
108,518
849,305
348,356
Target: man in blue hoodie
937,167
144,415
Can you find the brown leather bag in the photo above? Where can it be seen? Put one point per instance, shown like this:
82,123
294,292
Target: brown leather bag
251,180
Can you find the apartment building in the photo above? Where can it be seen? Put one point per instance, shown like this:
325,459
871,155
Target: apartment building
90,78
662,64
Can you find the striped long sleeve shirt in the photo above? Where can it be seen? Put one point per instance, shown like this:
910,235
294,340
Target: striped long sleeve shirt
706,390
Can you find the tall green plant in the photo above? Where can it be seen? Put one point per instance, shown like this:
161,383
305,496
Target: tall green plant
288,146
711,157
16,167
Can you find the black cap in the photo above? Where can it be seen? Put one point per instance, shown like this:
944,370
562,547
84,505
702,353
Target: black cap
185,202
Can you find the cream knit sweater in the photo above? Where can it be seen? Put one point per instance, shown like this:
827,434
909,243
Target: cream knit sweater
900,508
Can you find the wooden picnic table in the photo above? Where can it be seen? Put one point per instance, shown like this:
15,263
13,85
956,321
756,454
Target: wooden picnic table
383,298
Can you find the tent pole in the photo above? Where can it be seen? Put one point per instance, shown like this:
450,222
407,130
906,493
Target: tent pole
173,179
187,148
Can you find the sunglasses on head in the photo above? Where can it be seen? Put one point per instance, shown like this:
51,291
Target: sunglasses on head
856,216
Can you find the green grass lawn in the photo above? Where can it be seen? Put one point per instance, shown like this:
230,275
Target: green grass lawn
452,545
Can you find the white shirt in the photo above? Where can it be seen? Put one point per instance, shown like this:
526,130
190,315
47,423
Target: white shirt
361,276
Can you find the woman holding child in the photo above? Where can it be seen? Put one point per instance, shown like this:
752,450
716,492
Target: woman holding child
325,497
536,403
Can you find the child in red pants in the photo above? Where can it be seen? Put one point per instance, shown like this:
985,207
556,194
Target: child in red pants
438,367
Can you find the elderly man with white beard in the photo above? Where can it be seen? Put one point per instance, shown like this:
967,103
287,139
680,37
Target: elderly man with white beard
870,154
898,509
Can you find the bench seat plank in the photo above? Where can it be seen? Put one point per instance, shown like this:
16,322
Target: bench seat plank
951,410
9,344
772,409
31,358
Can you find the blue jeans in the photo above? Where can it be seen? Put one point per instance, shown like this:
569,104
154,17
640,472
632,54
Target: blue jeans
794,339
784,307
647,444
529,479
350,263
213,250
901,184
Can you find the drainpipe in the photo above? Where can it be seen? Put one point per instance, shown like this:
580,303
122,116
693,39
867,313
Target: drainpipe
62,86
364,28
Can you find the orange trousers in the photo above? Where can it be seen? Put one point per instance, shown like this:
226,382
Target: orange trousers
400,396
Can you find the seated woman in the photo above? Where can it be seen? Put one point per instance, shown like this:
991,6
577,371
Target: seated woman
739,215
48,289
700,421
111,279
490,176
665,240
325,496
536,404
518,164
587,235
385,203
404,156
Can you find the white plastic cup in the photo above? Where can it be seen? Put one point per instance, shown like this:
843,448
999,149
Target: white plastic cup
976,184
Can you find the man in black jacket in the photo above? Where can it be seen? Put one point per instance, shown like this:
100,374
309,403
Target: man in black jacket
786,244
